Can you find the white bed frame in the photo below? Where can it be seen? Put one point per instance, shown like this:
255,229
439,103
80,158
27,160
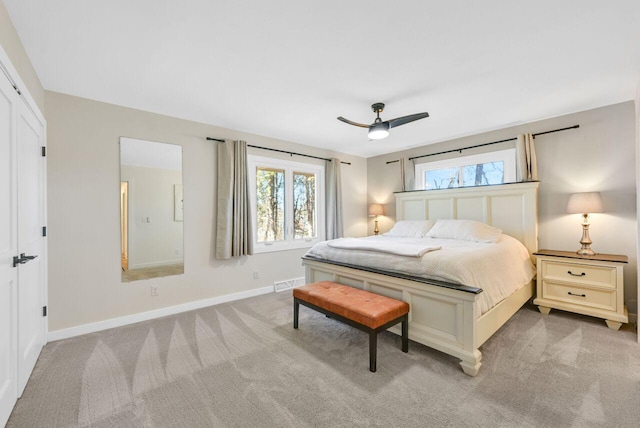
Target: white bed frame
443,318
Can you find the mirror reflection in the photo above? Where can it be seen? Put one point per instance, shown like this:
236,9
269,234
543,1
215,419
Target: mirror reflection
151,209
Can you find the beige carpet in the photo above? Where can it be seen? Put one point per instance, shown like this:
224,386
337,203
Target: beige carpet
242,365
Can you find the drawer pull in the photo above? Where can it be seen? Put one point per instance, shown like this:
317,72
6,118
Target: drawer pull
579,295
575,274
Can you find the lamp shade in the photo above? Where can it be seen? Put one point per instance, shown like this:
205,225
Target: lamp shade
585,203
375,209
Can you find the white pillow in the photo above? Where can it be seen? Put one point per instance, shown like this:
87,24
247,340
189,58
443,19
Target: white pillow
465,230
411,228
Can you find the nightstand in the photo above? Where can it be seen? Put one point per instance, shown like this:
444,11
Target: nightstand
588,285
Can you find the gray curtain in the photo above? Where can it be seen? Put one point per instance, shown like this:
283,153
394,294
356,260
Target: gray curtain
407,174
233,230
526,162
334,200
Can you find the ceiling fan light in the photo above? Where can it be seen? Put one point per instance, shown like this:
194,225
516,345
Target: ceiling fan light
378,131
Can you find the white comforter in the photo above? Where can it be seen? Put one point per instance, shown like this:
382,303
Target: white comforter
498,268
388,246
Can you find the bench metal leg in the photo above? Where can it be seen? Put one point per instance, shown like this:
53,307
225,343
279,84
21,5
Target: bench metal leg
373,350
405,334
296,310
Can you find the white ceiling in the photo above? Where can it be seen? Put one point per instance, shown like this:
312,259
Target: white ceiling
286,69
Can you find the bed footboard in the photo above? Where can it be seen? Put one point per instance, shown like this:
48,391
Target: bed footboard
441,318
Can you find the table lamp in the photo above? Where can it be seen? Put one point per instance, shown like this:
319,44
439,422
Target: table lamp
375,210
585,204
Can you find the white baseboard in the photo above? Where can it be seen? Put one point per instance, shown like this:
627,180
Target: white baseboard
149,315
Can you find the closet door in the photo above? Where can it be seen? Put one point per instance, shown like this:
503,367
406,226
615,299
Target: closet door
8,249
31,326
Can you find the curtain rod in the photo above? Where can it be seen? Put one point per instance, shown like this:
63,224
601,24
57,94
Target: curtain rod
488,144
280,151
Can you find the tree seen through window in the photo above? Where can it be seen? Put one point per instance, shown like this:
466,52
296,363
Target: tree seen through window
271,191
304,205
480,174
270,204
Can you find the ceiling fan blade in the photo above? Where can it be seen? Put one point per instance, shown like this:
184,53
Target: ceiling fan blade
352,123
406,119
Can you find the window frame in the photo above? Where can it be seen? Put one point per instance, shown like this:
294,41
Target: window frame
289,243
507,156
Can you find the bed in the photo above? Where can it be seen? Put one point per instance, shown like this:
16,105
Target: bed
444,315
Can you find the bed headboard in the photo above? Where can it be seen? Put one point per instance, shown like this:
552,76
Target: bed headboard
510,207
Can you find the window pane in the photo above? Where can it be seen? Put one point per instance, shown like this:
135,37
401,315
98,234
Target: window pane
483,174
304,205
270,204
445,178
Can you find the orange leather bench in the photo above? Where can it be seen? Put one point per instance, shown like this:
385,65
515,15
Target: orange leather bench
369,312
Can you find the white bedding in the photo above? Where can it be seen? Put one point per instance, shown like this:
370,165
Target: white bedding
498,268
388,246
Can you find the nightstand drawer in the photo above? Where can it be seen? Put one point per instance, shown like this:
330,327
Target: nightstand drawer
601,276
583,296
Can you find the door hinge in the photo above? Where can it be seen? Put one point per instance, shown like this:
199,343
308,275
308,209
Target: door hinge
44,230
44,311
44,151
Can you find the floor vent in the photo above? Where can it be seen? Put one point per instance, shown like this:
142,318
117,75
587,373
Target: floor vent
287,284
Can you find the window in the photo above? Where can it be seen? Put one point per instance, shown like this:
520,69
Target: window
287,203
476,170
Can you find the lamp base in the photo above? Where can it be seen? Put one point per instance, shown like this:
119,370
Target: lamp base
586,252
375,229
585,241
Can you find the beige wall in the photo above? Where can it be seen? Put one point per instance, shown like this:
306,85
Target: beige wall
13,47
83,198
599,156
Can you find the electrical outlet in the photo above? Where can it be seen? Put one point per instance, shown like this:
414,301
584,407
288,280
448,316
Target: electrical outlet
177,252
256,274
155,290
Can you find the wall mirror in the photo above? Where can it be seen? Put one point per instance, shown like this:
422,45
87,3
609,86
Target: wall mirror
151,209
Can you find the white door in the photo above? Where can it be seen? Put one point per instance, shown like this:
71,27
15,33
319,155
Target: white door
8,249
31,326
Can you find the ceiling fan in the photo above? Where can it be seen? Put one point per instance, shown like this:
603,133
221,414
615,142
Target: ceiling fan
379,129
